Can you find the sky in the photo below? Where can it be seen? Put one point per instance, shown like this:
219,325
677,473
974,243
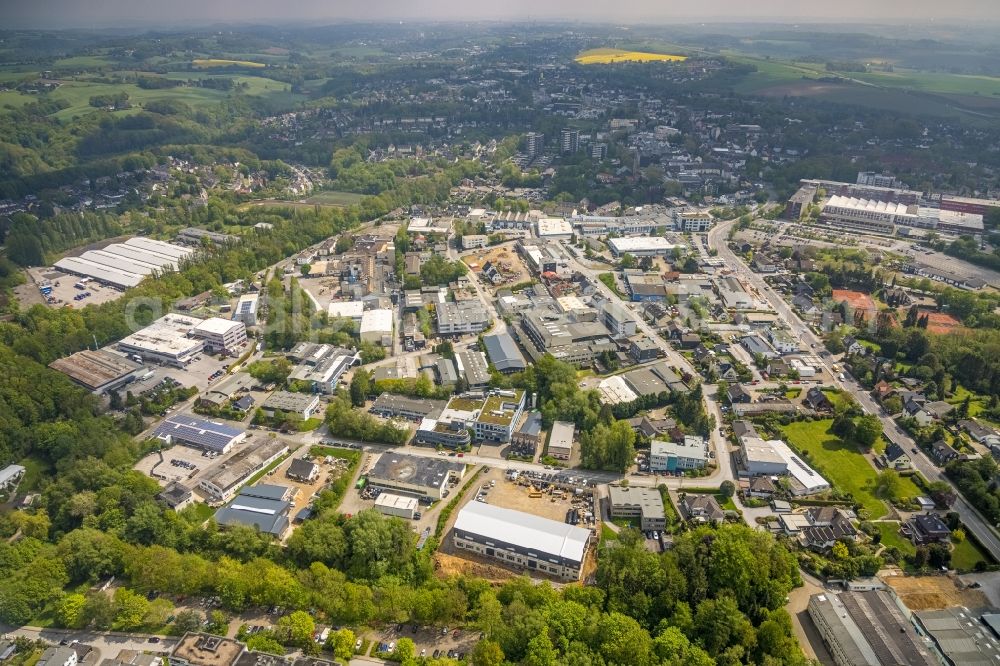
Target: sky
190,13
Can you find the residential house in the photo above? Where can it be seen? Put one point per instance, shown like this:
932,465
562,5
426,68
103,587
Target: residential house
762,487
690,340
737,394
804,304
895,457
938,409
942,453
303,470
882,390
827,526
817,401
727,372
778,367
852,346
651,428
980,433
701,509
926,528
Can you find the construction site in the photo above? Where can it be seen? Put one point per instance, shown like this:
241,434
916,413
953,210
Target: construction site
509,266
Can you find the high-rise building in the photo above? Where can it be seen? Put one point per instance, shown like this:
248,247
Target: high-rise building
535,143
569,140
599,151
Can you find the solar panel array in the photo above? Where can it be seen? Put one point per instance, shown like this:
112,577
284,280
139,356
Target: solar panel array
206,434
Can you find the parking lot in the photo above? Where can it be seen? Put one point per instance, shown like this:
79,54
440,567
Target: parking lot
195,374
176,463
65,294
447,642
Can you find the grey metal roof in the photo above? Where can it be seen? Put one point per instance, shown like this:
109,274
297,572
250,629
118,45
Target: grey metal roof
503,352
474,366
532,425
251,508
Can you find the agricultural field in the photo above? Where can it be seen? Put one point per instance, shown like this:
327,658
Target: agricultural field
610,56
207,63
841,464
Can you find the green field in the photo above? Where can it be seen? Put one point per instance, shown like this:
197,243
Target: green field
335,198
15,99
935,82
966,554
78,93
841,464
82,62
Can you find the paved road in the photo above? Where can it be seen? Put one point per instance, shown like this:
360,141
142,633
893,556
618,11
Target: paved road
107,643
973,520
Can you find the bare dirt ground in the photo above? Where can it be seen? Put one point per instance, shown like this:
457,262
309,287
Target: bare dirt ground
505,259
934,593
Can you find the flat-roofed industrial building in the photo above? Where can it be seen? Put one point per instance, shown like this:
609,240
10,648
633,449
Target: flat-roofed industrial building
646,504
561,440
224,479
867,629
246,309
522,540
391,504
167,340
194,431
421,477
98,371
221,335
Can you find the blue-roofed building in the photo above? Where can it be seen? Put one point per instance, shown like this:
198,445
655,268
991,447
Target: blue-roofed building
207,435
265,507
503,353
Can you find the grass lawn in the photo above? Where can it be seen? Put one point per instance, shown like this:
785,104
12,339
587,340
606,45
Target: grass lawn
966,553
335,198
841,464
609,281
892,537
977,403
608,534
791,394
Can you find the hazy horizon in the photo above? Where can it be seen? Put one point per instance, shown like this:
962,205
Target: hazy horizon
65,14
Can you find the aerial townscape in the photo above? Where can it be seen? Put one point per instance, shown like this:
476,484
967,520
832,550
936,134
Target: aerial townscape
448,336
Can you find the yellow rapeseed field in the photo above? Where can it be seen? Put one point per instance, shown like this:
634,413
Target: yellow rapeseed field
203,63
609,56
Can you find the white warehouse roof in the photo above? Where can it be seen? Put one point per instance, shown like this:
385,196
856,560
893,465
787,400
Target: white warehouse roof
376,321
525,530
348,309
640,244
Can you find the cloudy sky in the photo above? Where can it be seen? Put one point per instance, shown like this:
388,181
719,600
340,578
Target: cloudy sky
99,13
